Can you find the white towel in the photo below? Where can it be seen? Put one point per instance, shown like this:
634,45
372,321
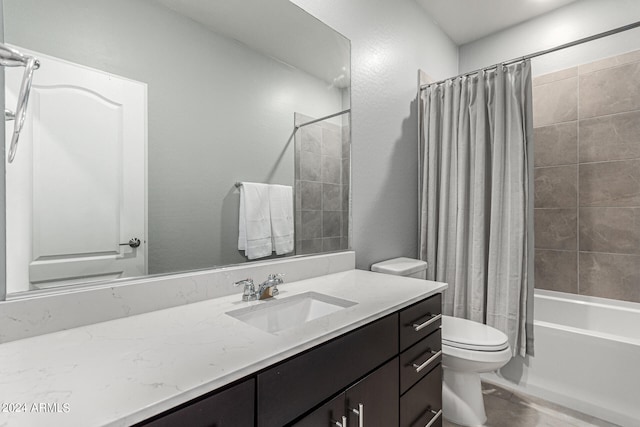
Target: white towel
281,207
254,222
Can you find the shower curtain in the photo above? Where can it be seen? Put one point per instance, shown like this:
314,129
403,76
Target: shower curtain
476,223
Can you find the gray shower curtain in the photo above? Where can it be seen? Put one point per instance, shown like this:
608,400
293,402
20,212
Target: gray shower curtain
476,223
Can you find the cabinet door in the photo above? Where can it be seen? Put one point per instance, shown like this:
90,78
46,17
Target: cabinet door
328,414
290,389
233,407
422,404
375,398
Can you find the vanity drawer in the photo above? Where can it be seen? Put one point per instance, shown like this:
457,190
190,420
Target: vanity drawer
420,320
418,360
233,407
422,404
293,387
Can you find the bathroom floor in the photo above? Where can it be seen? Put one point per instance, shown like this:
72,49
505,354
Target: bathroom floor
507,409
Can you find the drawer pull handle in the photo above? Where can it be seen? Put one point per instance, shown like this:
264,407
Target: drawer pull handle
418,326
437,414
360,413
420,367
341,424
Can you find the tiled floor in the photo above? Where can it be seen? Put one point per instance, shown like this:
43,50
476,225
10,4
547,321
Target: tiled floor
507,409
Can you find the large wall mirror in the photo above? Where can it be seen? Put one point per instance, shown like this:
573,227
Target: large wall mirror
143,119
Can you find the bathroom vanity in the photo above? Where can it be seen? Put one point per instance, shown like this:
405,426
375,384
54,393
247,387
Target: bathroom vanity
366,378
376,361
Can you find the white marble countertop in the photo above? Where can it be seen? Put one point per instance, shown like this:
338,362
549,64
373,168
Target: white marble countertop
123,371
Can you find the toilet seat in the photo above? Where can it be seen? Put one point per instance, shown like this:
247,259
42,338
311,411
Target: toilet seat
468,335
489,357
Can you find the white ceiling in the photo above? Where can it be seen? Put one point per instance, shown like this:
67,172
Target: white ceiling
468,20
276,28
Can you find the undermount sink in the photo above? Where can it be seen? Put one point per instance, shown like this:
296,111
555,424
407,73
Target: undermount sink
276,315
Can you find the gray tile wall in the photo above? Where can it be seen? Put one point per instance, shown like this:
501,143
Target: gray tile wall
322,186
587,178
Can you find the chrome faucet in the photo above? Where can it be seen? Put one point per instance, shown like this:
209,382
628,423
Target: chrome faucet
272,282
249,293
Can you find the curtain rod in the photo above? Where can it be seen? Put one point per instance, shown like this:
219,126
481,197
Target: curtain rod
543,52
238,184
348,110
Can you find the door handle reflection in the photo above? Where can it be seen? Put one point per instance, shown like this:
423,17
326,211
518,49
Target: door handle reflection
134,243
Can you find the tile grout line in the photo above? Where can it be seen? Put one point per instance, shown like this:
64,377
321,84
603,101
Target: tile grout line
630,159
587,119
618,113
555,166
579,72
608,67
610,253
610,207
555,123
589,252
595,162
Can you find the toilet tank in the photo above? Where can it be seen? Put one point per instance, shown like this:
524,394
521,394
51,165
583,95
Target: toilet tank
407,267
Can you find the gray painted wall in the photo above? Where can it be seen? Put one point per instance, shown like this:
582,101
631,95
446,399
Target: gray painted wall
574,21
390,40
218,113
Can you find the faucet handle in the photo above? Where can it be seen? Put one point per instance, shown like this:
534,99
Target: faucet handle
244,282
277,278
249,293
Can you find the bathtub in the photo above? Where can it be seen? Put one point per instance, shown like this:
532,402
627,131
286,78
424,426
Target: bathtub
587,357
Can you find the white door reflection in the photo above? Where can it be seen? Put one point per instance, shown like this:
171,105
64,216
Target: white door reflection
76,190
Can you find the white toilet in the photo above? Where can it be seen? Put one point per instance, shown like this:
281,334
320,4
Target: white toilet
468,349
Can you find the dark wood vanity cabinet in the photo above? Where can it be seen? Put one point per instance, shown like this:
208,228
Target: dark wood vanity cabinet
386,373
422,404
371,402
289,389
420,364
405,391
232,407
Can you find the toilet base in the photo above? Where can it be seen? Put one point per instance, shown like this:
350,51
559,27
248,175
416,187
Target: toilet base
462,399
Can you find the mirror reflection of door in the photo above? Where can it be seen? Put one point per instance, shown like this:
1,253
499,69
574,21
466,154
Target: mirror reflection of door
76,190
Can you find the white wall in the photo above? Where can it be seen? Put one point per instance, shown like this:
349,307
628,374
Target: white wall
390,41
574,21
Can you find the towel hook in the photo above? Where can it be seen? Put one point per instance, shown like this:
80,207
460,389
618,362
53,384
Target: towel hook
10,57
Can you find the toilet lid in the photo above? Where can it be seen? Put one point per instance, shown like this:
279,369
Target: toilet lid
463,333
